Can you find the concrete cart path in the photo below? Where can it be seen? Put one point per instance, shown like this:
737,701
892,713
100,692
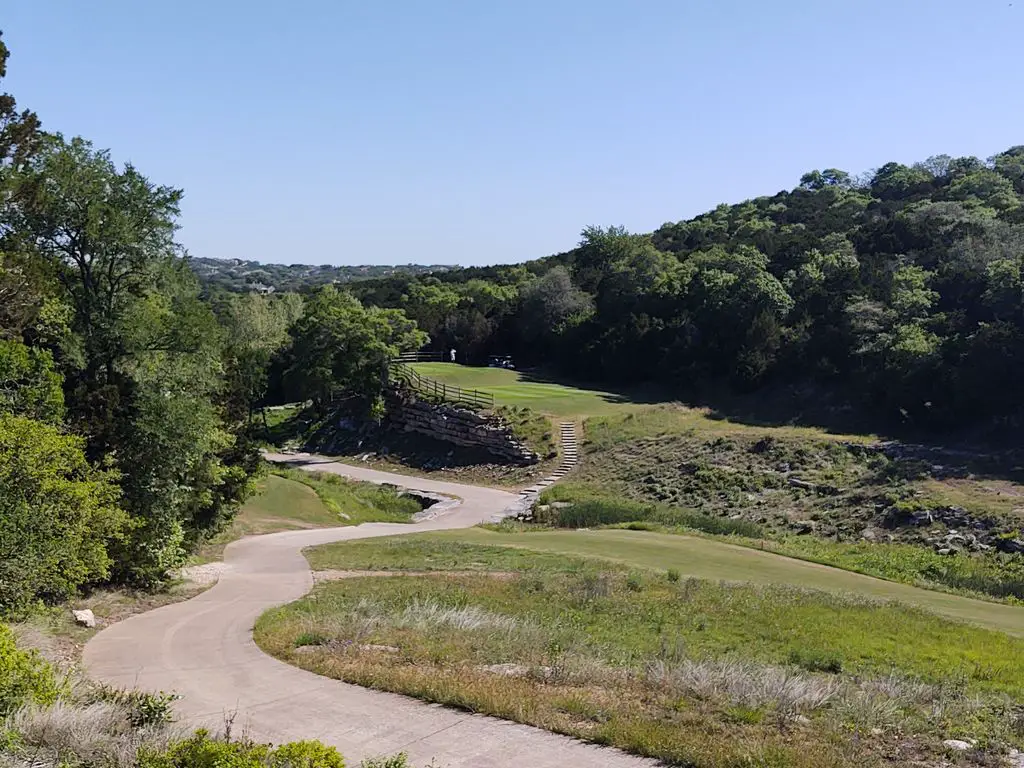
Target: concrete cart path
203,650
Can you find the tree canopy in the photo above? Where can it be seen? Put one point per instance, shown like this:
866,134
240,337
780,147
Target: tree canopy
900,288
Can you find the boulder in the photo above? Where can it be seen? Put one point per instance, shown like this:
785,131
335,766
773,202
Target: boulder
1013,546
85,618
958,745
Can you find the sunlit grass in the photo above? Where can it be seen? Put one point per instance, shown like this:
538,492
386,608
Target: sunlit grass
694,672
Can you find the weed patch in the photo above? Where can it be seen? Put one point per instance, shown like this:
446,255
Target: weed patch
689,671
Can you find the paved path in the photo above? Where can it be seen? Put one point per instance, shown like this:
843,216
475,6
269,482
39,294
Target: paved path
203,650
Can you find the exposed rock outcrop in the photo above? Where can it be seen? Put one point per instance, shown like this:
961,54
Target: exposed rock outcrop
460,426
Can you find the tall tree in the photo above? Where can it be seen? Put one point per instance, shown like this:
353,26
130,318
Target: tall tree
341,346
144,382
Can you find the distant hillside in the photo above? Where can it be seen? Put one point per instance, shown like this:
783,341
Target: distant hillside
242,276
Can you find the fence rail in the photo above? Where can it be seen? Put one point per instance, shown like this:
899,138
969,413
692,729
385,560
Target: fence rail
438,390
421,357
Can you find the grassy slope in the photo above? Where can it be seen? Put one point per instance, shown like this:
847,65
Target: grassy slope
279,504
711,559
515,388
633,659
292,499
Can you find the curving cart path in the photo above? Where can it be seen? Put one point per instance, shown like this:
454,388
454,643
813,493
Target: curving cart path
203,650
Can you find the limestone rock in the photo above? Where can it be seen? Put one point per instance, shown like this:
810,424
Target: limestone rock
958,745
85,618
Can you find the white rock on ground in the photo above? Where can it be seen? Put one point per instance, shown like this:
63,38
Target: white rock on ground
958,744
85,617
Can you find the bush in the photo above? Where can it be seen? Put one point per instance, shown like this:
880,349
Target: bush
201,751
719,526
816,661
143,709
306,754
25,678
400,760
586,511
590,512
57,516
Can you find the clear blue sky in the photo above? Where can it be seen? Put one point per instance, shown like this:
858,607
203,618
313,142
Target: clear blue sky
486,131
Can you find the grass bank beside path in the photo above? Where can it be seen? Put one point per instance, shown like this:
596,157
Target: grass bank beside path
707,559
528,389
696,672
292,499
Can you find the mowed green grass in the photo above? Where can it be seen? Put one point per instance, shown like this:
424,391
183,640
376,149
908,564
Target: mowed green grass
707,559
514,388
281,504
294,499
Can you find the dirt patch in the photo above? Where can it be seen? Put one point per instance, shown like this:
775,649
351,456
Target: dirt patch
206,574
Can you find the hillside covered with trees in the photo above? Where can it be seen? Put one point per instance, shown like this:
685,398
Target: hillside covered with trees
240,276
902,288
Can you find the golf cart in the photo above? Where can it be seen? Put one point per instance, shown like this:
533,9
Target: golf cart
501,361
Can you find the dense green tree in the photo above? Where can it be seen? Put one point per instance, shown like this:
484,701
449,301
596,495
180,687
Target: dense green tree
255,331
550,306
339,346
144,383
58,516
29,384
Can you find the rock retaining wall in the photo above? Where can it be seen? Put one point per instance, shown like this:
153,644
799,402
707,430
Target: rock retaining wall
458,425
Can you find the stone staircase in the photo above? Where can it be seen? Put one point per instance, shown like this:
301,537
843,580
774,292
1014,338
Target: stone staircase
570,458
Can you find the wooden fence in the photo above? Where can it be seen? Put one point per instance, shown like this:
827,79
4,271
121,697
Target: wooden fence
432,389
421,357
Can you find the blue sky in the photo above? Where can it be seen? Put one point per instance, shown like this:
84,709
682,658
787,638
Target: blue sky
488,131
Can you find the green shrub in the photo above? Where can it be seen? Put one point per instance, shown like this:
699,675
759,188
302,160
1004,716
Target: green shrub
311,638
306,754
201,751
816,661
719,526
673,574
57,516
401,760
144,709
25,678
587,511
590,512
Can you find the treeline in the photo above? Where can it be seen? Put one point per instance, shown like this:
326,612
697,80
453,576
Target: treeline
241,276
902,289
128,401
